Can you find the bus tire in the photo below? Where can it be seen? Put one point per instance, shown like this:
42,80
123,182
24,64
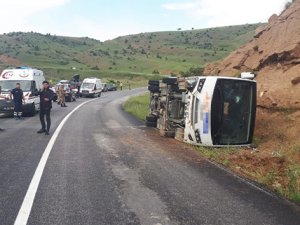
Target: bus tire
169,80
151,118
151,124
154,89
153,82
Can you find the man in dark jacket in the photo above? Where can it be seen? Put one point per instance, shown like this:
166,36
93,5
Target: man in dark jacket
46,97
18,99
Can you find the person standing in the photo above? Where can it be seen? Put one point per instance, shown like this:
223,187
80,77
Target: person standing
129,85
46,97
61,95
121,86
18,98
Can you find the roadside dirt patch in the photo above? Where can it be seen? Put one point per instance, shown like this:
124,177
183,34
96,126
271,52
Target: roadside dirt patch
181,150
276,161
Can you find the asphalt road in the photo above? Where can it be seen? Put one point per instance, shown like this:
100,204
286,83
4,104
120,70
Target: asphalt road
107,168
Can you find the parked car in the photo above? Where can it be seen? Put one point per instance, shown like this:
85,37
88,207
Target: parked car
111,87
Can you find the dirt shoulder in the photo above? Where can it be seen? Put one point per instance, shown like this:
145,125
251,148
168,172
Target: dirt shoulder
275,163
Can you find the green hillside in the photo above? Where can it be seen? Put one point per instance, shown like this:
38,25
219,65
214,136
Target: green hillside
133,55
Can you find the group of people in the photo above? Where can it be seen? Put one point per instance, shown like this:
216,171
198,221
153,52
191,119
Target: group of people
46,98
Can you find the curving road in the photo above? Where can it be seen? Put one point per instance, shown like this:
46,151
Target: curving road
105,167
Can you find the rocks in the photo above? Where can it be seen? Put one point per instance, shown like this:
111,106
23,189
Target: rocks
296,81
273,19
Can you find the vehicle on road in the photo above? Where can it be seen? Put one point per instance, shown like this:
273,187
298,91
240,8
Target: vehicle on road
111,87
91,87
74,83
210,111
70,94
30,80
64,82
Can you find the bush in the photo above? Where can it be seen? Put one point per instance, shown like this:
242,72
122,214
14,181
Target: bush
197,71
64,62
95,68
155,72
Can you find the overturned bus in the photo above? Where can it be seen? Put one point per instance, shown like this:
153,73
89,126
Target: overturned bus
209,111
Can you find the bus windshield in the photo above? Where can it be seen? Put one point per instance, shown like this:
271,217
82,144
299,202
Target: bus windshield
8,85
233,112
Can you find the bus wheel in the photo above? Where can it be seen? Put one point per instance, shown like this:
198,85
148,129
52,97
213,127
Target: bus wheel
151,124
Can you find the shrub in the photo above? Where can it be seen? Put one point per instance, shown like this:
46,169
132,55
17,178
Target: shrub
95,68
197,71
155,72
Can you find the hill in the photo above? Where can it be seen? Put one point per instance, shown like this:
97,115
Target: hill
145,53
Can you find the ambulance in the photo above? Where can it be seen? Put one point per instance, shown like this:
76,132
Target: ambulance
91,87
30,80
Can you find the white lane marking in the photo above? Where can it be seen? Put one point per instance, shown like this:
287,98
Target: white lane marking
26,206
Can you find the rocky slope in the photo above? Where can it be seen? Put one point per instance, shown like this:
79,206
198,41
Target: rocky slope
274,53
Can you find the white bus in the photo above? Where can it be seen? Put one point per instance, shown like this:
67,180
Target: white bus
209,111
30,80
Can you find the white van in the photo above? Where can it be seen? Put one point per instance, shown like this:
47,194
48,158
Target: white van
91,87
30,80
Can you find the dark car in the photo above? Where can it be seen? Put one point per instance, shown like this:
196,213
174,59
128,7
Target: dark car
111,87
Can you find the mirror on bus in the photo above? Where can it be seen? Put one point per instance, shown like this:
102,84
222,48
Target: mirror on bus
190,85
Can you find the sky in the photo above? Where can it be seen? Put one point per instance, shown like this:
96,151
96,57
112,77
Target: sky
108,19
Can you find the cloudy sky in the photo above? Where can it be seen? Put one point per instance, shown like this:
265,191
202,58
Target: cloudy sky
107,19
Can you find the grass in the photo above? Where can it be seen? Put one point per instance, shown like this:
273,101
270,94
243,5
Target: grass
293,190
138,106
